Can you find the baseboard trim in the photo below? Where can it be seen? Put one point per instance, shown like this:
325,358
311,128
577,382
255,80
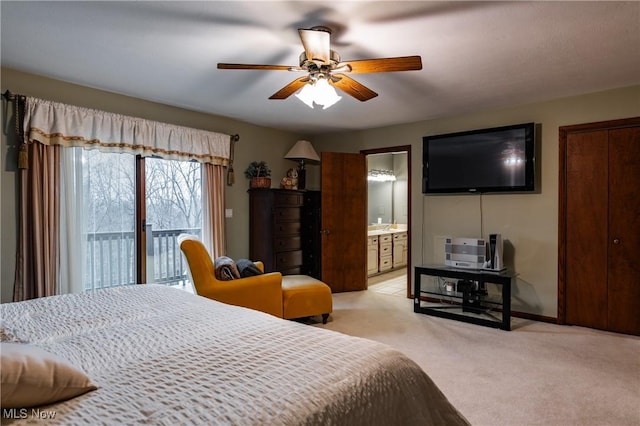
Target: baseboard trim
534,317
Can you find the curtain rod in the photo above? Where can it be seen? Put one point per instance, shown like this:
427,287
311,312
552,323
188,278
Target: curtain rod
10,96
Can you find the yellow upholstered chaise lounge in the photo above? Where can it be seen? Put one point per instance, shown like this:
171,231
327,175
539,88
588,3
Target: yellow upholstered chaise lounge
261,292
289,297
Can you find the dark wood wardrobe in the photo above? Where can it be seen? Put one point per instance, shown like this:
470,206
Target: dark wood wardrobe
599,226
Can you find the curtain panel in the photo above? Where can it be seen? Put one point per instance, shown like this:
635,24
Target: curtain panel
214,235
48,247
38,227
53,123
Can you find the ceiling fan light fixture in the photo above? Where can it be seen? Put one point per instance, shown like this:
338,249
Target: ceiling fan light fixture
318,92
321,63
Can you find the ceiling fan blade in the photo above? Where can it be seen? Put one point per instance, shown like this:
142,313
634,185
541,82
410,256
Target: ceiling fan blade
352,87
290,88
253,67
401,63
317,44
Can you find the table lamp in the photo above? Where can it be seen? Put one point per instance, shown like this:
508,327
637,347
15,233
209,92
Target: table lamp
302,151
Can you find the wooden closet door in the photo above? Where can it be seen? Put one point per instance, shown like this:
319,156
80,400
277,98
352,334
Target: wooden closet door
624,231
586,229
344,221
599,228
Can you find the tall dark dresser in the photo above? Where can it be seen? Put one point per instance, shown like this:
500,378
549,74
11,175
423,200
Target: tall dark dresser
284,230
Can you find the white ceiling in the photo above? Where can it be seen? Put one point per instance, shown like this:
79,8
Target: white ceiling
476,55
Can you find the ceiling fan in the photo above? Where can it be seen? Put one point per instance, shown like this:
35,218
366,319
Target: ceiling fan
324,66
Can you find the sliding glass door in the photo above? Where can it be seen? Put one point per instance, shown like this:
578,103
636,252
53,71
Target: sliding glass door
123,214
173,204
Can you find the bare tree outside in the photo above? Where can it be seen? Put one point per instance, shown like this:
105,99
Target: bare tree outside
109,191
173,205
173,194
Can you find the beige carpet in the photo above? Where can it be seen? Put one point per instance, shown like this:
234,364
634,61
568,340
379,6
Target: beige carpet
536,374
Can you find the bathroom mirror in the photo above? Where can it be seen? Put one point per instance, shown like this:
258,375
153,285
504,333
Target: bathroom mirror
387,189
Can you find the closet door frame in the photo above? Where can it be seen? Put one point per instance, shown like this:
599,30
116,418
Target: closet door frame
564,131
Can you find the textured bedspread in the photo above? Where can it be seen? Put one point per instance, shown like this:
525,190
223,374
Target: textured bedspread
163,356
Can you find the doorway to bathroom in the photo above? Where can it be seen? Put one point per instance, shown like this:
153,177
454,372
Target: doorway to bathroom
389,220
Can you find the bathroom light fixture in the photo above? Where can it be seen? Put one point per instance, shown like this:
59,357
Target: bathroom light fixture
318,92
379,175
301,151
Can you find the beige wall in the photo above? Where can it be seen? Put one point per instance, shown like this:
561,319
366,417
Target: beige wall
528,221
256,143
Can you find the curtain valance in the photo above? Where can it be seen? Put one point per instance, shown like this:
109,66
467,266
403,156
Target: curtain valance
53,123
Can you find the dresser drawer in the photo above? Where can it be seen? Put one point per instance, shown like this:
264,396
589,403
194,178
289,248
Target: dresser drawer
288,259
286,214
288,199
287,243
297,270
286,228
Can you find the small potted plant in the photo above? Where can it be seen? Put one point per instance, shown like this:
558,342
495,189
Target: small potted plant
258,174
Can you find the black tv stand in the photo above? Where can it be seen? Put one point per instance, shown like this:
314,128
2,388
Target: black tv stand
470,301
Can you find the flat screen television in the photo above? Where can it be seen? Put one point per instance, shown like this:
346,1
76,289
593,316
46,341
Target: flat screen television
499,159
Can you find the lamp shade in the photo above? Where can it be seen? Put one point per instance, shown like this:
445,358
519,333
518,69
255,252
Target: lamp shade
302,150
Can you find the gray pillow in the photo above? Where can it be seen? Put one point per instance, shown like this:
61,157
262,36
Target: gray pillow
247,268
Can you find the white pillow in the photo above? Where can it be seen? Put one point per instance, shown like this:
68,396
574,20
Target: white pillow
32,376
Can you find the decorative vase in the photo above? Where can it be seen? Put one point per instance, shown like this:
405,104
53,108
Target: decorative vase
260,182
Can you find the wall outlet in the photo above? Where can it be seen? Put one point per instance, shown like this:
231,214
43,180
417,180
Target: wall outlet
228,213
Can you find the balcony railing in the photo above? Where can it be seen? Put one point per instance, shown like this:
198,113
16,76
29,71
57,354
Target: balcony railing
111,258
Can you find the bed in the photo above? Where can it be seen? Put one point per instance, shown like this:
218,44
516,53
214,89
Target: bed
160,355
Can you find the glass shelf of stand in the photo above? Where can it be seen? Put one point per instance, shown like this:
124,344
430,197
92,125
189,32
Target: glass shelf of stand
478,297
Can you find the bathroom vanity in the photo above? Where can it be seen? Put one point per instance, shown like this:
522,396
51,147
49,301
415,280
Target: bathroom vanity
386,248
